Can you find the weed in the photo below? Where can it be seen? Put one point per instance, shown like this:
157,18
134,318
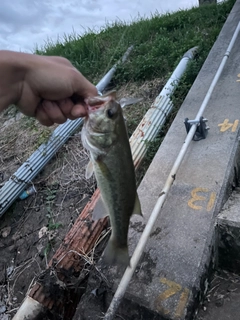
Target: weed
47,250
50,197
43,137
52,225
11,111
29,123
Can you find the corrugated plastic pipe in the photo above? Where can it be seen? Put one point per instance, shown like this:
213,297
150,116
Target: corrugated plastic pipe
36,162
157,209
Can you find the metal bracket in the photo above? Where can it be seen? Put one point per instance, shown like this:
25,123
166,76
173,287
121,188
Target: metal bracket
202,128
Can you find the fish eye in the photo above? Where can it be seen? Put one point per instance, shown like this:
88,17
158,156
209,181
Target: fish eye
110,113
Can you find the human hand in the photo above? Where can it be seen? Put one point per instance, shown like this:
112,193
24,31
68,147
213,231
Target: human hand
49,88
56,89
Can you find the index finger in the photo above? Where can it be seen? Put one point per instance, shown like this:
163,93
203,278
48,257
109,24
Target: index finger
79,110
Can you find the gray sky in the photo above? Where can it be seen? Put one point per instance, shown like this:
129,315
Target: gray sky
25,23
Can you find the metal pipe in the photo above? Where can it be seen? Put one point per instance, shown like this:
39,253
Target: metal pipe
153,217
36,162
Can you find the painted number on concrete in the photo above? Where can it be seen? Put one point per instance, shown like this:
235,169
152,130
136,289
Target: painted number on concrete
207,200
173,289
226,125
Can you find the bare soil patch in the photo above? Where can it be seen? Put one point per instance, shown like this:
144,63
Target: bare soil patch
222,299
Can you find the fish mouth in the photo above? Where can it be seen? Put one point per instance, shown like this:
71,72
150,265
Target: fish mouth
94,108
96,103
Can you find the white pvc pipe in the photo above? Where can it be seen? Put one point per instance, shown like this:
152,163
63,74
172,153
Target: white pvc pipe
29,310
180,69
153,217
156,116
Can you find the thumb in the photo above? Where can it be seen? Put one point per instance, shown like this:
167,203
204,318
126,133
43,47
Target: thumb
82,87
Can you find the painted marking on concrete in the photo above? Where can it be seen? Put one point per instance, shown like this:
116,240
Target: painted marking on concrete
209,199
173,289
238,80
226,125
235,124
182,303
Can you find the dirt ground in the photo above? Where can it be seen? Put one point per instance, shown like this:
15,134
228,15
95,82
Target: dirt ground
32,229
222,300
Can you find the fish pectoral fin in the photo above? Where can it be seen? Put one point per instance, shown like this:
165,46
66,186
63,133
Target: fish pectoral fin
137,206
104,169
89,170
99,210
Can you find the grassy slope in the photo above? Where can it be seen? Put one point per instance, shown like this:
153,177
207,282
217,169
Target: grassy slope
159,44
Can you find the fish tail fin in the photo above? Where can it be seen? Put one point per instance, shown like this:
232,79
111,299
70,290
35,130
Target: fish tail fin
116,255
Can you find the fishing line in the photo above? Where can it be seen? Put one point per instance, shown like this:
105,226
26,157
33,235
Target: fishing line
120,40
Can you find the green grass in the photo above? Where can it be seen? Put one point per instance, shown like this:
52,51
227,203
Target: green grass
159,43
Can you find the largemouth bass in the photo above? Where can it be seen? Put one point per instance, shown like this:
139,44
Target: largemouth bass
104,134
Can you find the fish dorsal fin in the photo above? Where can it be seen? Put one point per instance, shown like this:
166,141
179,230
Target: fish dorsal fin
137,206
89,170
112,94
100,100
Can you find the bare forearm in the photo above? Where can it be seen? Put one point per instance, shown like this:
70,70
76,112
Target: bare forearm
13,66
